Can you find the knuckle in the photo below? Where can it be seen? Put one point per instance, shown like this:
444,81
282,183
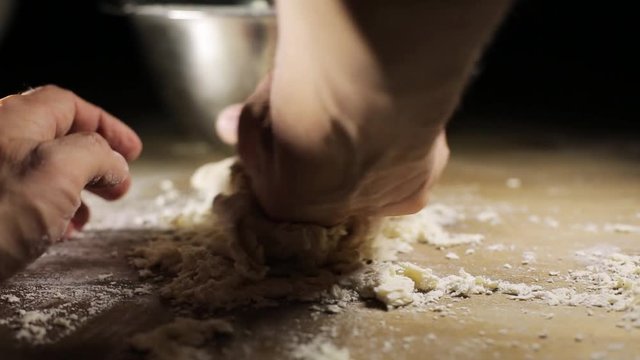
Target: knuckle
38,155
5,151
13,151
419,201
93,139
53,89
49,87
10,102
58,104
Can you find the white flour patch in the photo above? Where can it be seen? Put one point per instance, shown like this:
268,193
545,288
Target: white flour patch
320,348
46,313
489,216
622,228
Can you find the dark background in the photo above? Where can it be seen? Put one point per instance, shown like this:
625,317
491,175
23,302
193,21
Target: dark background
567,66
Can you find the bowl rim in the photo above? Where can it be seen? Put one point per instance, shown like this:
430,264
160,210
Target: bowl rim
195,11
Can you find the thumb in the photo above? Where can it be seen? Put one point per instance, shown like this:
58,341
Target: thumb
227,124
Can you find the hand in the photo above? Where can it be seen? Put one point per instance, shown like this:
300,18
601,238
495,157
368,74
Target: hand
351,121
53,145
326,176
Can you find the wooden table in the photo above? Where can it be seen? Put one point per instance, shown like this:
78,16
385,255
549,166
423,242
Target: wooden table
566,185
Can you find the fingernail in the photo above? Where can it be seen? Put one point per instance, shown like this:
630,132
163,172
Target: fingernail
122,159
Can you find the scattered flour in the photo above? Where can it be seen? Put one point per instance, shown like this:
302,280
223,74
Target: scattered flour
528,257
210,262
513,183
622,228
489,216
45,314
320,349
233,256
182,339
208,257
10,298
452,256
587,227
500,247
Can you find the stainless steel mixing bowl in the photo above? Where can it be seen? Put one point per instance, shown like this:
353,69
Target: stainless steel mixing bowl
5,11
205,57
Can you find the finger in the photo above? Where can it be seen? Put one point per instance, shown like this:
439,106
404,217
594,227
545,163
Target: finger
68,233
81,160
417,200
49,112
227,124
441,158
111,192
254,131
81,217
410,204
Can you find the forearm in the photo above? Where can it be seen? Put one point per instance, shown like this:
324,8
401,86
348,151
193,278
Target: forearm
357,59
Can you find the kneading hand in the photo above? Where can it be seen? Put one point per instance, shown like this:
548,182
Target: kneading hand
351,121
331,171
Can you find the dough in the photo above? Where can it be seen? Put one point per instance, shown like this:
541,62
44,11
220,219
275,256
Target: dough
230,254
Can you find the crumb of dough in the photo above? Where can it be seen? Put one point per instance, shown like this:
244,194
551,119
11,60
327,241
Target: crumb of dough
528,257
105,276
393,289
320,349
452,256
10,298
423,278
184,339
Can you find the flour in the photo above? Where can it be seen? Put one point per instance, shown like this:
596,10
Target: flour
622,228
211,266
183,339
499,247
214,263
452,256
489,216
320,349
45,314
513,183
230,256
10,298
528,257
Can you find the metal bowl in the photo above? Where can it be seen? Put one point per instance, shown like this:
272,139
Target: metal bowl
205,57
5,11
